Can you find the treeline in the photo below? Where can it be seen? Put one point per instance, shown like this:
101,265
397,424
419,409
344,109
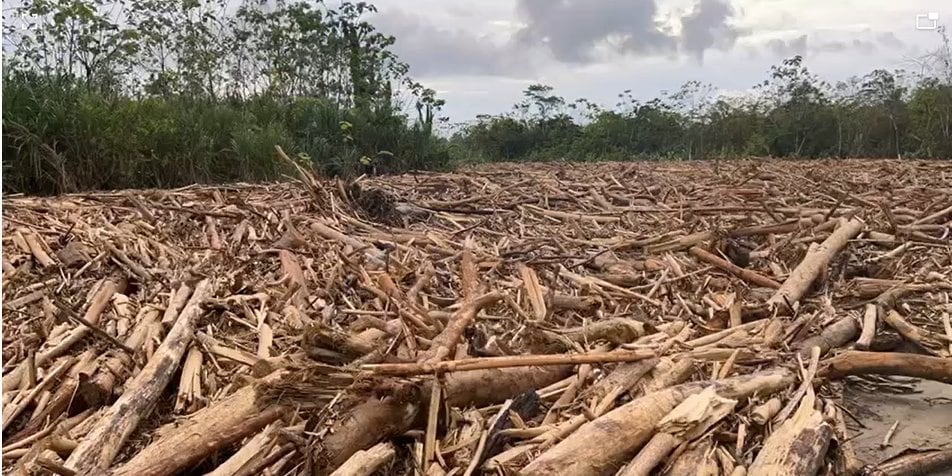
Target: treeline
791,114
104,94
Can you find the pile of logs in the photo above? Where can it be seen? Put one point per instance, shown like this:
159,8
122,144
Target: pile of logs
576,319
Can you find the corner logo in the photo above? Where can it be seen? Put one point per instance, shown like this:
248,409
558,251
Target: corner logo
927,21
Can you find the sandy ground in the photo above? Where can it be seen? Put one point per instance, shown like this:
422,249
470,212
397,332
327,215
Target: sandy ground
925,420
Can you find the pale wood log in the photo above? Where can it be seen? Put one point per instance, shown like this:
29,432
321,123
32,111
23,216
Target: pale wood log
366,462
101,446
797,447
203,433
765,412
800,279
482,363
651,455
888,363
602,445
915,464
833,336
869,327
98,303
926,340
248,451
696,460
176,302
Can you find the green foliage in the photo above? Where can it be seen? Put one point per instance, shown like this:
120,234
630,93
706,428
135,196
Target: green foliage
133,93
791,114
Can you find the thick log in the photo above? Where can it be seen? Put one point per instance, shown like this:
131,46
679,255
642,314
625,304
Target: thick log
696,460
914,464
652,454
798,446
483,363
814,263
378,419
926,340
604,444
101,446
833,336
208,430
888,363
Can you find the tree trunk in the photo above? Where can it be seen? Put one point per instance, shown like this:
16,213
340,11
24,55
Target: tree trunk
103,443
888,363
604,444
807,271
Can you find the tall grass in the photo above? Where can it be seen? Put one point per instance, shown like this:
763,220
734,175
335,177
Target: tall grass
61,136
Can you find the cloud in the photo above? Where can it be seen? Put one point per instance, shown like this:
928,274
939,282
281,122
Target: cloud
706,27
431,50
573,29
787,48
889,40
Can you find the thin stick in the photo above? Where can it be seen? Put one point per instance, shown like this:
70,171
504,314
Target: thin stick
889,434
507,361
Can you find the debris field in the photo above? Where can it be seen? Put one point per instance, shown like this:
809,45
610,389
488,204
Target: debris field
537,319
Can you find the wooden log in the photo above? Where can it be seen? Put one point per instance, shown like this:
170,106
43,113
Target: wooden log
833,336
696,460
114,366
444,344
888,363
375,420
602,445
101,446
482,363
366,462
185,443
651,455
747,275
915,464
798,446
800,279
98,303
869,327
176,302
922,338
765,412
248,452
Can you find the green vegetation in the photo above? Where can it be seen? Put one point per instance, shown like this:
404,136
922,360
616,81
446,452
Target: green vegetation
792,114
160,93
101,94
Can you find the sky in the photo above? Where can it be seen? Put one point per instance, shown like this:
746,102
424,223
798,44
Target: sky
479,55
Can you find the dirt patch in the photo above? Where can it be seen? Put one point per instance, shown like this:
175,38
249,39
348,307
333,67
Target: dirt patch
925,420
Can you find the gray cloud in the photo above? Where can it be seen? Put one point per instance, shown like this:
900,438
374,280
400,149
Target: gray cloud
857,44
572,29
787,48
889,39
706,27
431,50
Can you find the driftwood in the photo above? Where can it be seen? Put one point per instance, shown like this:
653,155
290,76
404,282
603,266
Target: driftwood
888,363
814,263
102,445
797,446
473,292
631,426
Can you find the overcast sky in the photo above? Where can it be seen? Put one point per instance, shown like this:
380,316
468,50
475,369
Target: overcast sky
480,54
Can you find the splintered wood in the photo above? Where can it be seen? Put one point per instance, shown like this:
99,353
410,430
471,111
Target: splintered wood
535,319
